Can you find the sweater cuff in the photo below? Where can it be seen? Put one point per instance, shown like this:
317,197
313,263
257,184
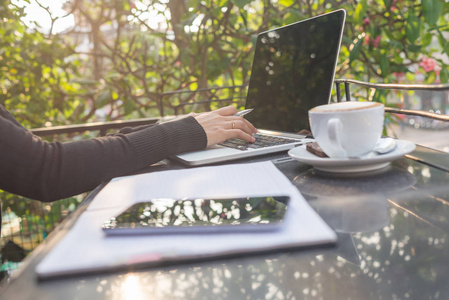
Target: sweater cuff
166,139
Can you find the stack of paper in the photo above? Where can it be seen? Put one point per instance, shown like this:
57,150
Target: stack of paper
87,249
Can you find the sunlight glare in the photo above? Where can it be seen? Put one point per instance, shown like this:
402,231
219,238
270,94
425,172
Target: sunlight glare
156,16
131,288
34,13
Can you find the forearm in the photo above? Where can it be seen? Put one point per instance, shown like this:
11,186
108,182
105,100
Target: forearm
45,171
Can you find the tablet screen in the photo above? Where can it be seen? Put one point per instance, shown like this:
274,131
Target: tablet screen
202,214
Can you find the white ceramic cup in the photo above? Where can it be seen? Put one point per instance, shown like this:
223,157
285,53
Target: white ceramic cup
347,129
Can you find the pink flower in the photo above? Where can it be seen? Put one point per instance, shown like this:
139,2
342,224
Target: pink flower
428,64
366,21
400,76
393,5
366,41
369,41
376,41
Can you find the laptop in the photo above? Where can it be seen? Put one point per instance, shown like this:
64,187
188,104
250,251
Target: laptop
293,70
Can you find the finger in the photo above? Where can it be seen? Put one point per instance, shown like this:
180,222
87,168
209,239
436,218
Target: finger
250,125
239,134
244,124
227,111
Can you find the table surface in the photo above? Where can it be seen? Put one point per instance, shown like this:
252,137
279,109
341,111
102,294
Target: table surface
393,243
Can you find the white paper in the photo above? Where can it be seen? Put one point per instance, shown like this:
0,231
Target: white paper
86,248
224,181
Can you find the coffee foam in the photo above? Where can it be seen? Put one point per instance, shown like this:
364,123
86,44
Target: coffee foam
345,106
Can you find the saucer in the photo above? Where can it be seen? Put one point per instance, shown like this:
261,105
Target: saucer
369,162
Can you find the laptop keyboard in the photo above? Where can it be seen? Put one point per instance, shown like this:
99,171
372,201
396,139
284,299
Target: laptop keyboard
262,141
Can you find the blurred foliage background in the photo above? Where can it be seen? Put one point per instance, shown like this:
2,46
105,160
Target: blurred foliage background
119,57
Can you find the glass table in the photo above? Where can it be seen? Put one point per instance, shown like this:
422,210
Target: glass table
392,228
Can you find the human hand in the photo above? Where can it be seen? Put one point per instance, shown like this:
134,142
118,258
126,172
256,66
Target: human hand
221,125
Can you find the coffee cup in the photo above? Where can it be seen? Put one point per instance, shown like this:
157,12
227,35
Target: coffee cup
347,129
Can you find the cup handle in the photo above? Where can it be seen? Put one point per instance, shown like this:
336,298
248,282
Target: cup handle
334,127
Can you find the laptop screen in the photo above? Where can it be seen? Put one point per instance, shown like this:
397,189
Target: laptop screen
293,71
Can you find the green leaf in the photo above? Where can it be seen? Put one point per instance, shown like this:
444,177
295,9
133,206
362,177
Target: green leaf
103,98
395,44
355,50
380,96
244,16
414,48
129,107
444,44
444,75
293,15
360,11
240,3
384,64
286,3
432,10
389,34
346,40
431,76
426,39
412,27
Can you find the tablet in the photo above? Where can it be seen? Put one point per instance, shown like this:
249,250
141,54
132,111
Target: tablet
200,215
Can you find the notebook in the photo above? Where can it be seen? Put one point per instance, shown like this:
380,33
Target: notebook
293,70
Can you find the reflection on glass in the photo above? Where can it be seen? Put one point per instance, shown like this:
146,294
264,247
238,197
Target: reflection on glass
131,288
293,71
406,259
202,212
391,181
355,204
